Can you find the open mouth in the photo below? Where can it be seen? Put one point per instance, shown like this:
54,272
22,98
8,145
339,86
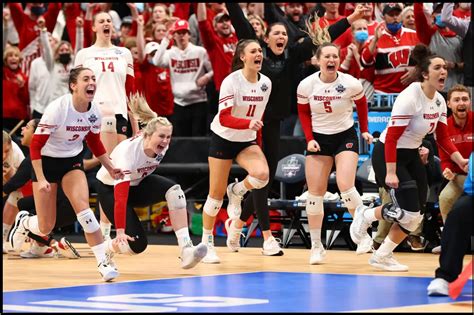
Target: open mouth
90,91
280,45
106,31
258,62
442,80
461,109
331,67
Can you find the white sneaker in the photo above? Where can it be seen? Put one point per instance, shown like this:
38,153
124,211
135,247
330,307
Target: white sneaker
234,207
18,233
37,251
359,225
436,250
233,235
317,253
65,249
107,269
271,247
438,287
386,263
7,247
192,255
365,245
211,256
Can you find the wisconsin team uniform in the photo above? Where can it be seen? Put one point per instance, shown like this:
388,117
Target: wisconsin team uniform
130,157
240,102
111,67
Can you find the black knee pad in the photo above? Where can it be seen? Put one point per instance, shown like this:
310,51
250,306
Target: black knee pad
407,196
139,245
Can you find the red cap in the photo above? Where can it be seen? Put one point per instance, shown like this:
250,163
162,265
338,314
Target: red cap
180,25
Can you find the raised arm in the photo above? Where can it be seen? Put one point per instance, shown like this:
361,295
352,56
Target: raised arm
243,28
454,23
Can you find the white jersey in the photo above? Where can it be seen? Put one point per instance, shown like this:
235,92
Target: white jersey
331,103
248,101
420,114
186,66
67,127
130,157
111,67
13,159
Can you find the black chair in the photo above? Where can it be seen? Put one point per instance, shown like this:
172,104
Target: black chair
290,171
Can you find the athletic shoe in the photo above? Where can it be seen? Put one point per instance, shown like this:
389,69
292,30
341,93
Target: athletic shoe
192,255
386,263
438,287
18,233
359,225
65,249
234,207
37,251
107,269
416,243
211,256
271,247
436,250
317,253
365,245
233,236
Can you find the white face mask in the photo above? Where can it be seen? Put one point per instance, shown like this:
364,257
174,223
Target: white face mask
465,5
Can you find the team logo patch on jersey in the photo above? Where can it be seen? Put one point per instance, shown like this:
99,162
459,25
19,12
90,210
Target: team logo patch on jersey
118,51
124,129
349,145
93,118
340,88
264,87
438,102
159,157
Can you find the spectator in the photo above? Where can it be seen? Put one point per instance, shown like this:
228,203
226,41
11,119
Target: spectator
212,9
393,70
190,72
408,18
258,26
15,89
441,41
460,129
464,29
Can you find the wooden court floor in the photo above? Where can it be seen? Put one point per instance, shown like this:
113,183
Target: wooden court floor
161,262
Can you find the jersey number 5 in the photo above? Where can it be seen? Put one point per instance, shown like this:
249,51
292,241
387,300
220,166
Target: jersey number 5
251,110
110,66
327,107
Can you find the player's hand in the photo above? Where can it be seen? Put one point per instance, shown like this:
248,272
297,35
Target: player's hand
313,146
44,186
122,238
255,124
368,137
391,180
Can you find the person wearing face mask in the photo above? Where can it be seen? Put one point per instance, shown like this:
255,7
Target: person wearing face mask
49,73
350,55
389,52
26,25
442,41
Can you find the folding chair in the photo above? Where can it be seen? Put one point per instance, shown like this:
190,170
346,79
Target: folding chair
290,170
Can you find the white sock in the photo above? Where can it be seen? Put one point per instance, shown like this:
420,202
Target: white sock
205,235
31,224
369,215
105,228
183,237
240,188
6,230
99,251
315,235
387,247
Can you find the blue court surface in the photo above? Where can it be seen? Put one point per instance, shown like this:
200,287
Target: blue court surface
244,292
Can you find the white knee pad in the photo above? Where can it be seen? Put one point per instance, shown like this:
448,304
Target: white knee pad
257,183
410,220
14,197
88,221
175,198
109,124
212,206
351,198
314,205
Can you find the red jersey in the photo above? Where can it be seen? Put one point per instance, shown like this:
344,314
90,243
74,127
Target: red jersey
462,139
220,51
391,59
157,88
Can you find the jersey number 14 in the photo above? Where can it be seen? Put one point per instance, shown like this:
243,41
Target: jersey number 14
110,66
